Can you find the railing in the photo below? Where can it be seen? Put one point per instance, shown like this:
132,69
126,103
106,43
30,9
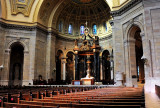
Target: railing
157,89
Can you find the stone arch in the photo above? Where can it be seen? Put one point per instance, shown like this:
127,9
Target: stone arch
130,28
26,49
130,51
16,64
58,51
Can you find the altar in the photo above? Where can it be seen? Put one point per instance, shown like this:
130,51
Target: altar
87,63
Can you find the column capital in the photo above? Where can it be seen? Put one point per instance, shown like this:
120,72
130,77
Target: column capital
64,60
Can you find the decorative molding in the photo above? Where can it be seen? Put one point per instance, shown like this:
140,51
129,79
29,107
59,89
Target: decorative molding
21,6
22,27
40,29
125,8
105,37
24,41
17,27
65,38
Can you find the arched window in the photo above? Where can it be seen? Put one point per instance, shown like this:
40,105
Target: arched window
105,26
70,29
94,29
82,29
60,26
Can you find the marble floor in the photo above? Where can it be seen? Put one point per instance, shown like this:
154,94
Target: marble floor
152,100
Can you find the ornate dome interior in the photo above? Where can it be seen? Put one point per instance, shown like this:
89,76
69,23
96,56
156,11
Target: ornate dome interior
75,13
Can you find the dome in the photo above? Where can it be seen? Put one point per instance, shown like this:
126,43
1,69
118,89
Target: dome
75,13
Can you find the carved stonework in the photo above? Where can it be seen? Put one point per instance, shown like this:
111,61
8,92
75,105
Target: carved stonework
24,41
21,6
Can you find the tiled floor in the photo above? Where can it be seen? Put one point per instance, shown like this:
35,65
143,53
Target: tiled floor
152,100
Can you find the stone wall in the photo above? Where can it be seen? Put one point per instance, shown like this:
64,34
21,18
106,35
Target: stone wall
40,55
124,43
27,39
2,43
152,29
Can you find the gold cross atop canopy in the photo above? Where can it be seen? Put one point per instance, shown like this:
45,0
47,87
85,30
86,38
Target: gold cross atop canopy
86,23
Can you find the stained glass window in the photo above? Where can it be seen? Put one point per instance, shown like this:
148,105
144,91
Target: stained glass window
60,26
70,29
94,29
82,29
105,26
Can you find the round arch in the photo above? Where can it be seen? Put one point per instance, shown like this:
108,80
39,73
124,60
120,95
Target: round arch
26,49
133,52
131,28
16,64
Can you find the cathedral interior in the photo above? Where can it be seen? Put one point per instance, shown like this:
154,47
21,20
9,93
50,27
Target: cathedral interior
80,42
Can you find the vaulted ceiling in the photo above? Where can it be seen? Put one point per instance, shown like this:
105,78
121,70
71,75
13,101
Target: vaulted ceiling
72,10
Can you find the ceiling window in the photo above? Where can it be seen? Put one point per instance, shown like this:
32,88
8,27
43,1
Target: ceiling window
60,26
105,26
82,29
70,29
94,29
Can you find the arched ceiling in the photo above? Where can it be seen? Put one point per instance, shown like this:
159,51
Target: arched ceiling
72,10
47,12
83,11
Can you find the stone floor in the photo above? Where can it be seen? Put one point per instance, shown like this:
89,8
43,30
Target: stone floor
152,100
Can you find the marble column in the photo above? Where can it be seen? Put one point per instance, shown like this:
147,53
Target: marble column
63,60
76,67
95,66
73,67
98,68
101,68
